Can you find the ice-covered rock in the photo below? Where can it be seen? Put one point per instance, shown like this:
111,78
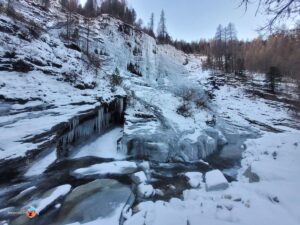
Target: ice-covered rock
41,165
215,181
217,135
194,179
50,197
98,202
116,167
145,190
139,177
42,204
159,192
145,166
23,194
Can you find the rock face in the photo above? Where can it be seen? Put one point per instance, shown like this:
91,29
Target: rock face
97,121
215,181
98,199
253,177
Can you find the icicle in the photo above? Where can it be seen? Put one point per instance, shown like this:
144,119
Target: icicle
99,124
121,106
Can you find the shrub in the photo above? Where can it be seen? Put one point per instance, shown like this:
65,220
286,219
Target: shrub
184,110
35,29
134,69
10,55
94,61
137,51
199,103
190,94
11,12
2,8
115,78
22,66
73,46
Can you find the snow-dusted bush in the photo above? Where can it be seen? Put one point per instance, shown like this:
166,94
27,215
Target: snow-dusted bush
133,68
190,95
22,66
94,61
184,110
12,13
115,78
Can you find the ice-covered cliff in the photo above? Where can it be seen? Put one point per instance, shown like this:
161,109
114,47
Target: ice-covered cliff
48,82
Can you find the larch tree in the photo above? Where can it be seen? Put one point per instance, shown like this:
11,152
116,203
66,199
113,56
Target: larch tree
231,36
139,23
90,8
218,45
71,7
162,33
151,25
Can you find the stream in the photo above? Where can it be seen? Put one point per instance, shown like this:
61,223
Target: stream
91,180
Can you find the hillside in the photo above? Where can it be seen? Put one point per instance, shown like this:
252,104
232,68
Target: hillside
61,82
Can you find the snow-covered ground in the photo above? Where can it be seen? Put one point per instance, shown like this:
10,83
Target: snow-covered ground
272,200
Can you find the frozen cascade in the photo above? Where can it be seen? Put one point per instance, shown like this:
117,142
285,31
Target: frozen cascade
104,118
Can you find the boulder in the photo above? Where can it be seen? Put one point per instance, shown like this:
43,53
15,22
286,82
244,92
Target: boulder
139,177
102,198
215,181
145,166
145,190
194,179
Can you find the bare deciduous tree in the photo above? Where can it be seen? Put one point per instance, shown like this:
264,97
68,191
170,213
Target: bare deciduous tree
279,10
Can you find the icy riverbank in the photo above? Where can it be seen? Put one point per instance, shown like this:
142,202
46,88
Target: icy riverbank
272,200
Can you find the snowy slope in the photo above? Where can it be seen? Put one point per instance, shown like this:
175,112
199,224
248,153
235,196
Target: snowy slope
63,84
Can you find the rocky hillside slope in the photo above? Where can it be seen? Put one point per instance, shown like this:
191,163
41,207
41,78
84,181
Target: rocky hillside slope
50,86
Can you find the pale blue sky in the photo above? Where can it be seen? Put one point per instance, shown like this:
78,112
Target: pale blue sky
195,19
